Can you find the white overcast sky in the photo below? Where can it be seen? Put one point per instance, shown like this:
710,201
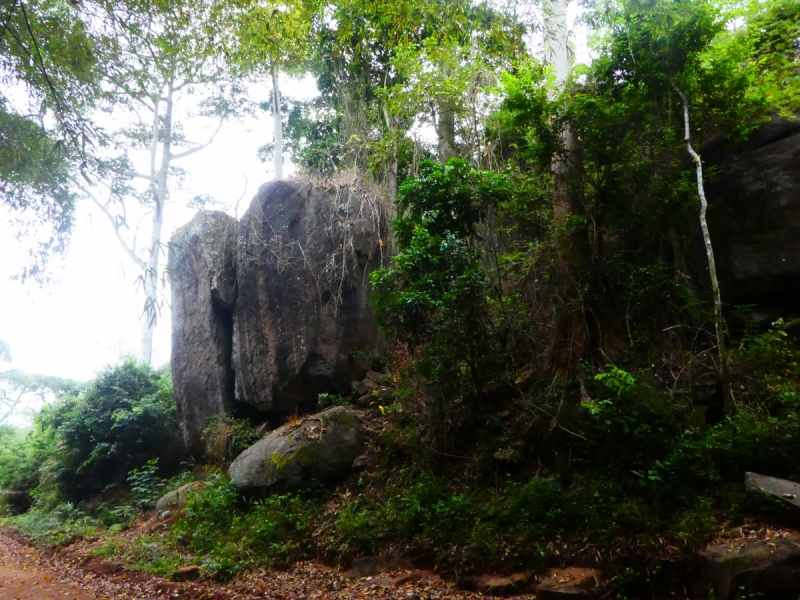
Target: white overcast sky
89,316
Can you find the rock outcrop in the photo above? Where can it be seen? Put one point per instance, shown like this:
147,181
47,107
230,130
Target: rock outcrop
201,264
318,451
754,218
273,310
768,569
305,253
785,490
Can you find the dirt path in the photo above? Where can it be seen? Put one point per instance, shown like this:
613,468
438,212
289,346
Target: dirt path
22,577
26,574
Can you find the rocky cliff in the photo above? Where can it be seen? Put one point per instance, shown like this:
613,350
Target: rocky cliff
753,189
272,310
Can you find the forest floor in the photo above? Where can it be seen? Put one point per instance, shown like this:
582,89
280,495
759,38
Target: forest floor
29,574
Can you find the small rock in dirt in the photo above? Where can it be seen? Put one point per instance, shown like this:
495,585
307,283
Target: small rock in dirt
187,573
365,400
571,581
767,567
402,580
362,388
384,582
375,376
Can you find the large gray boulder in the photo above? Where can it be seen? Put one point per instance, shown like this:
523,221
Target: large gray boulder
269,312
317,451
754,218
302,315
202,277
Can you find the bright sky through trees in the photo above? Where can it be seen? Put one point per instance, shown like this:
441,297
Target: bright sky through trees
88,316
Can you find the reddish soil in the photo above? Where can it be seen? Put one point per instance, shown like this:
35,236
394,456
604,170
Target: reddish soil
23,577
26,574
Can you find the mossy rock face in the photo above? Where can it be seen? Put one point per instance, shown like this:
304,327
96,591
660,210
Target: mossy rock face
318,451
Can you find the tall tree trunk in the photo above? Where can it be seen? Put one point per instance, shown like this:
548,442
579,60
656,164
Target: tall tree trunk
159,185
719,323
556,49
391,168
446,130
571,335
277,124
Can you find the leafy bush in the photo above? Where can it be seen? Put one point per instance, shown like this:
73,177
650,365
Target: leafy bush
436,294
125,418
18,460
328,400
146,486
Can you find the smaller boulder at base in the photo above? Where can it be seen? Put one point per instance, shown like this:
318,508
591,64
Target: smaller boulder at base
317,451
177,499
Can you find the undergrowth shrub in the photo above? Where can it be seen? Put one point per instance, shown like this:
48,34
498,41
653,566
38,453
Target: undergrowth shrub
146,486
226,438
58,525
18,460
231,534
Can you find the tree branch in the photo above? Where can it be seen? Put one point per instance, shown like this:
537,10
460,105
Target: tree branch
115,224
137,175
191,151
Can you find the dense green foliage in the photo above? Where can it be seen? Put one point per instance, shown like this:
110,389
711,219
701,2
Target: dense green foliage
17,459
231,537
44,51
125,417
89,441
436,293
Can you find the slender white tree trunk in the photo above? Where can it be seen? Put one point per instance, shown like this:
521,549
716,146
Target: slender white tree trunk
556,34
391,168
556,54
159,186
278,124
719,324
